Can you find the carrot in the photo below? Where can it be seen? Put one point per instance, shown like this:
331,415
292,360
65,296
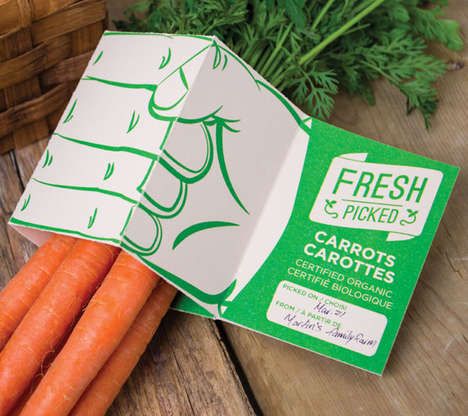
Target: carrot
23,289
50,316
25,397
104,388
95,337
48,360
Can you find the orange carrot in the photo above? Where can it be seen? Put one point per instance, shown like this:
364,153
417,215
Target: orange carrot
95,337
48,360
23,289
25,397
50,316
104,388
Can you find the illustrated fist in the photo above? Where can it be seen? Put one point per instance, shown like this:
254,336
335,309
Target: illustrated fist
169,147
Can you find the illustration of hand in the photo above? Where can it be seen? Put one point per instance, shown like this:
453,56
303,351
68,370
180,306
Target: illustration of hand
100,188
151,156
98,164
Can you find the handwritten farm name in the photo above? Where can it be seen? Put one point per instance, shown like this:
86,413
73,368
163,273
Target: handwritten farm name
343,337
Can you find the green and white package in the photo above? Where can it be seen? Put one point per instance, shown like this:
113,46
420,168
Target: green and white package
176,150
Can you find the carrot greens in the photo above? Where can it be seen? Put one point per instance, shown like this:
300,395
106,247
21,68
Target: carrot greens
311,50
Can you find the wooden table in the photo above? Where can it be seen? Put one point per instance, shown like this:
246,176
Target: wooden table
198,367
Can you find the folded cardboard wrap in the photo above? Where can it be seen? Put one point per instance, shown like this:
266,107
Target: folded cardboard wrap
174,149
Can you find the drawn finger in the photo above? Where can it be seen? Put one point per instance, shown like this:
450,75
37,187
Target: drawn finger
112,115
68,164
211,94
147,61
169,96
163,194
188,155
143,232
90,214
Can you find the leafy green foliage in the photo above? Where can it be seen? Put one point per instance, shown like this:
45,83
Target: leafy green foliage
310,50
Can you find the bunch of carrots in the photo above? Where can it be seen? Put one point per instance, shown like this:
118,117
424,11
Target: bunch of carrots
74,322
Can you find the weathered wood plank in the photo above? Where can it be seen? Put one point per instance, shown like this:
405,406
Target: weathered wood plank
11,251
27,158
10,186
185,371
427,372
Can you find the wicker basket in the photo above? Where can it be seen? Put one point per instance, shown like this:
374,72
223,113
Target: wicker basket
44,48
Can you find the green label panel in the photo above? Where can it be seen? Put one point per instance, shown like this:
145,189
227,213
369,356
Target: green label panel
342,274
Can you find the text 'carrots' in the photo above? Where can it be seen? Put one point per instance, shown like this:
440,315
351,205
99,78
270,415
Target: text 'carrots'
49,318
23,289
95,337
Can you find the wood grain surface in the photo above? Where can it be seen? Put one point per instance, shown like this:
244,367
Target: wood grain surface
197,367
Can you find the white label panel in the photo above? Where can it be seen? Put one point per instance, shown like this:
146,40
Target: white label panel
327,318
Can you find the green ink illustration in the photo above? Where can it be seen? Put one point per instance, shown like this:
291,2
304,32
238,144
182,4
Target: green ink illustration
48,159
166,59
26,203
133,122
411,219
69,115
183,172
98,58
92,218
329,207
217,59
215,132
195,228
138,249
109,171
